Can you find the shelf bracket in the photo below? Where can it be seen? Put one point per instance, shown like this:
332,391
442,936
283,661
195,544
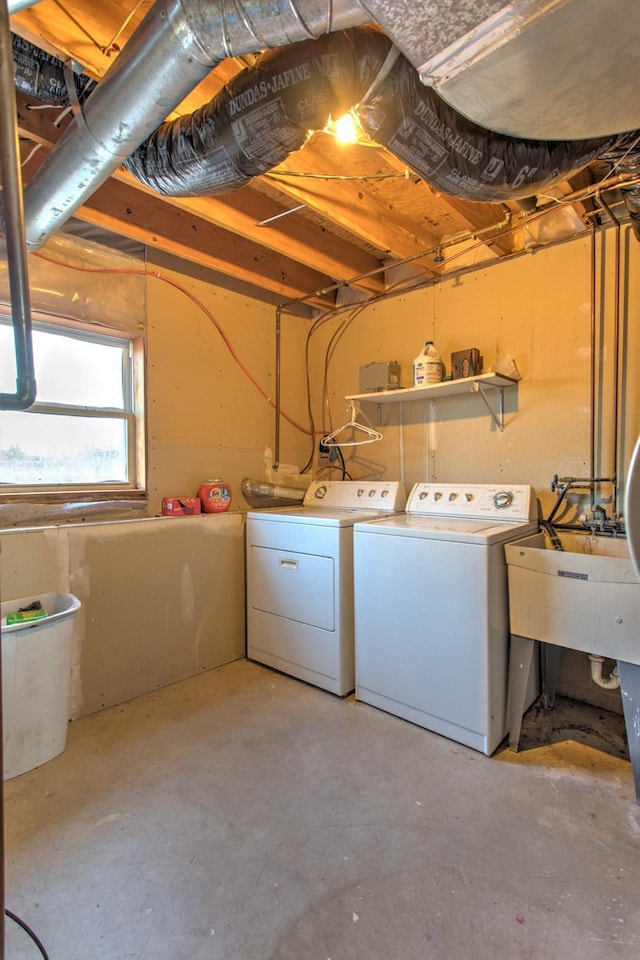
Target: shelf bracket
498,417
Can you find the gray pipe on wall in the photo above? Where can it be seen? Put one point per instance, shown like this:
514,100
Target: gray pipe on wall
25,392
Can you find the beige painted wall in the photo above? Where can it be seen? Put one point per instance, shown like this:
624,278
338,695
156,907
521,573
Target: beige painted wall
164,598
538,309
205,417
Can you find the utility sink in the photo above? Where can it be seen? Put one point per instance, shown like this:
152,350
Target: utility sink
585,597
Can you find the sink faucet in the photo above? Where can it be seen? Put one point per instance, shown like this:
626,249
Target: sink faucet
596,520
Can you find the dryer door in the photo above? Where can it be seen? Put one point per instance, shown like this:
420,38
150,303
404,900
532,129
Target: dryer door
296,586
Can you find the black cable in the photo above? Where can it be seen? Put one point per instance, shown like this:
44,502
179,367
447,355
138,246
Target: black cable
336,466
551,532
27,929
315,325
345,473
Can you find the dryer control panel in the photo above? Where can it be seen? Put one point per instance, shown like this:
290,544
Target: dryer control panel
474,500
387,495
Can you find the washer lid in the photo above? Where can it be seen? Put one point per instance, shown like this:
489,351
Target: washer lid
459,529
316,516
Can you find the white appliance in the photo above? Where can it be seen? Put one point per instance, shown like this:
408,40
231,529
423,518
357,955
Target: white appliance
632,508
300,579
432,612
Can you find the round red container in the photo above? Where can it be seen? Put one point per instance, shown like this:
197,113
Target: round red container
215,496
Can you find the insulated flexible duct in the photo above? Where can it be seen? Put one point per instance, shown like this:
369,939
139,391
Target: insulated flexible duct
41,75
174,48
266,112
458,157
261,116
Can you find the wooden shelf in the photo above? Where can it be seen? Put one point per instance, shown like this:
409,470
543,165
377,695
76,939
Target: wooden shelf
482,384
448,388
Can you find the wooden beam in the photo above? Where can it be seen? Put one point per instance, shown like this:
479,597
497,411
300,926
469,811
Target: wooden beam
454,214
120,208
294,237
353,206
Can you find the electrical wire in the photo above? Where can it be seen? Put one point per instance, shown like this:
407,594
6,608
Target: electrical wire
326,420
343,464
620,160
196,300
336,176
27,929
314,327
499,230
110,47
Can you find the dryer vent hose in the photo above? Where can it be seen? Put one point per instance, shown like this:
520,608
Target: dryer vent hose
262,488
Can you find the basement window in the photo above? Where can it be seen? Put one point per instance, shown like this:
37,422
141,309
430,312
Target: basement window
82,438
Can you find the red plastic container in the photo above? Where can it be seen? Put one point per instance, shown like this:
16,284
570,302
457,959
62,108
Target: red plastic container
180,506
215,496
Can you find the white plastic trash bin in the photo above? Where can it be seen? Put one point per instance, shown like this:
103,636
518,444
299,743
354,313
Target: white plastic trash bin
36,678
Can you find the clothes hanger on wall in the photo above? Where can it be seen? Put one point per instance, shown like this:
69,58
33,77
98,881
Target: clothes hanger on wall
368,434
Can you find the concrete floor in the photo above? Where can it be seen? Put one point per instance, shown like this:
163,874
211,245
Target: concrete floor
243,815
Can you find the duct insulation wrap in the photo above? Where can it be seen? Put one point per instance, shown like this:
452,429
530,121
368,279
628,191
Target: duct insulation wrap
261,116
40,75
267,112
460,158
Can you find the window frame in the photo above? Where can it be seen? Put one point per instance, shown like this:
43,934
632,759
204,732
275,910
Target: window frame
132,414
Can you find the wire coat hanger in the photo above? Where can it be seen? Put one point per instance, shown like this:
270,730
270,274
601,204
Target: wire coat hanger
370,435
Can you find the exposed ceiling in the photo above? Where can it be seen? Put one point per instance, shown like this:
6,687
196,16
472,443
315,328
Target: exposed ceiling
327,225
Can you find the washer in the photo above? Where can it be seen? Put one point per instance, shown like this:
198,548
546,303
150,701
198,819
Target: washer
300,579
432,611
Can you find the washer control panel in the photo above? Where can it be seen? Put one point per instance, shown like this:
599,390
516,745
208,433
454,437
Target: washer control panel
356,495
475,500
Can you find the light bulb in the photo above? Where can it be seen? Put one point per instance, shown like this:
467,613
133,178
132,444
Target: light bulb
346,129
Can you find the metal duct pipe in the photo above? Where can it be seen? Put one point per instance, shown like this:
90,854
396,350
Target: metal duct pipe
173,49
264,488
15,6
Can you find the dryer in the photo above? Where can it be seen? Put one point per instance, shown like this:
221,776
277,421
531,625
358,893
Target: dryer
300,579
432,611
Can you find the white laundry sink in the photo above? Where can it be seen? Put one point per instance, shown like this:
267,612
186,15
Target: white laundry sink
585,597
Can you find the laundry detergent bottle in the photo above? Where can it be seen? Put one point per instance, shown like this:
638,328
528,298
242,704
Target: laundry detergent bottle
427,366
215,496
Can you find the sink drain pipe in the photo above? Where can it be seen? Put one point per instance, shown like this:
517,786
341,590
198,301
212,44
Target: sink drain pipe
610,683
